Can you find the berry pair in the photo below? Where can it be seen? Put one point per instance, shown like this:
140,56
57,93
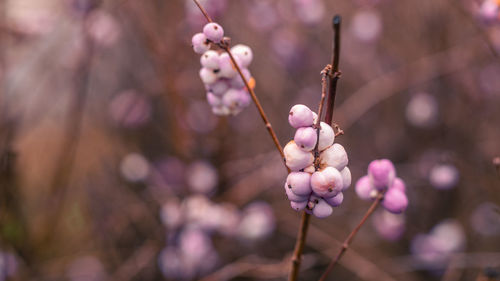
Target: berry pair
315,184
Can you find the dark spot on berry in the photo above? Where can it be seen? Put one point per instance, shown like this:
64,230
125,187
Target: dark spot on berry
216,27
291,113
216,70
289,186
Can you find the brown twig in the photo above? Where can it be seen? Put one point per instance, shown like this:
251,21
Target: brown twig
225,46
496,163
351,236
299,247
335,73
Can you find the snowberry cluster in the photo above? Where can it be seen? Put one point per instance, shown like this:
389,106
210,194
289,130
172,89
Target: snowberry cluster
314,186
226,90
382,176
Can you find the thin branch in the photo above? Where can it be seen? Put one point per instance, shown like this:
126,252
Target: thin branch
335,73
299,247
225,46
351,236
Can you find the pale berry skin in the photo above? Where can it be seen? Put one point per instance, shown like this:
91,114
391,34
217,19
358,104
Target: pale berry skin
365,188
295,158
200,44
219,88
244,53
382,173
210,60
213,31
226,67
294,197
310,169
346,178
213,100
298,206
399,185
395,201
326,136
322,209
299,183
306,138
236,98
326,182
336,200
221,110
208,76
300,116
334,156
237,82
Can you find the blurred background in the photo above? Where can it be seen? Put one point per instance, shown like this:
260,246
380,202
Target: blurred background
113,167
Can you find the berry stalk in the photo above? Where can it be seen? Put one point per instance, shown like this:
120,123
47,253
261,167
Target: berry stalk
225,46
351,236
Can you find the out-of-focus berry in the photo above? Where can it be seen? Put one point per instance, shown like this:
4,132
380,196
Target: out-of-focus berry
244,53
299,183
210,60
237,82
422,110
364,188
395,201
200,43
213,100
444,176
346,178
382,173
388,225
335,156
295,158
305,138
258,221
326,182
213,31
300,116
208,76
221,110
226,66
236,99
219,88
399,184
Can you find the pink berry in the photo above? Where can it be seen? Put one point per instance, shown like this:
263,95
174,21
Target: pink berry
382,173
335,200
346,178
294,197
244,53
208,76
200,44
299,183
395,201
221,110
213,31
237,81
364,188
236,98
296,159
326,136
326,182
210,60
322,209
213,100
398,184
300,116
226,67
334,156
305,138
219,88
298,206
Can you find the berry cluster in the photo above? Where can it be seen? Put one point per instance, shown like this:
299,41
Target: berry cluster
226,90
315,183
382,176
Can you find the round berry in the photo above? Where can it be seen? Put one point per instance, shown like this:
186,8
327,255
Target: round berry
210,60
236,99
395,201
398,184
298,206
326,182
221,110
299,183
237,81
305,138
294,197
346,178
213,100
322,209
226,66
326,136
213,31
208,76
300,116
335,156
364,188
219,88
335,200
200,43
382,173
295,158
244,53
